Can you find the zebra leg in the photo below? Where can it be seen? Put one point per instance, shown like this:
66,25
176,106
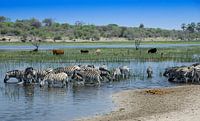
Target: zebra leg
50,84
98,80
64,83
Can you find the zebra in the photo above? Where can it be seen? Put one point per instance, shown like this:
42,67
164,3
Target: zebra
53,78
18,74
149,72
196,75
29,74
88,76
38,74
125,71
116,74
69,70
103,72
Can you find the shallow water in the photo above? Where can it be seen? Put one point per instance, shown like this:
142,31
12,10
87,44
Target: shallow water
32,103
49,47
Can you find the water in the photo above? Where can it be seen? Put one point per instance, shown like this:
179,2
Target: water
31,103
47,47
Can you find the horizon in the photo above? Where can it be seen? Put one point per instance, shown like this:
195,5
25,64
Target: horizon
164,14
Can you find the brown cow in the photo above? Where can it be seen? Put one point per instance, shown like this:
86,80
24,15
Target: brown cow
58,52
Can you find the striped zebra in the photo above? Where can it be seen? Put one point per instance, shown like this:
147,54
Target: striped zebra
116,74
125,71
196,75
18,74
69,70
103,72
149,72
88,77
38,75
53,78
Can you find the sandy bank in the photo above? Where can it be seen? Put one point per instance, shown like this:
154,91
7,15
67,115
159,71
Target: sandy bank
168,104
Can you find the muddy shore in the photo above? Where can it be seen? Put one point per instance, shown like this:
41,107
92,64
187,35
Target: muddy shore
180,103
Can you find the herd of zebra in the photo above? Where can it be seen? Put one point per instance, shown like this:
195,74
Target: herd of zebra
183,74
76,74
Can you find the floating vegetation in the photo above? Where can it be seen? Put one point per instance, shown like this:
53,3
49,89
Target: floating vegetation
158,91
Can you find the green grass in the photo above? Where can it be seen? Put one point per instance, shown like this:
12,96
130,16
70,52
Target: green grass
107,54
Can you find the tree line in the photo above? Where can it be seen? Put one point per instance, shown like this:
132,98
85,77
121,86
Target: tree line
48,28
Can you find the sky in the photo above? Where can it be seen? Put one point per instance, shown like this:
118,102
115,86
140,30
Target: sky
166,14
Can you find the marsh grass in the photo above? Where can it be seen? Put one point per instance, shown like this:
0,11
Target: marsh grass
107,54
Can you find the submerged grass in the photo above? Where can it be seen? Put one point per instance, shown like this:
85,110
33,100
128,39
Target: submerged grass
107,54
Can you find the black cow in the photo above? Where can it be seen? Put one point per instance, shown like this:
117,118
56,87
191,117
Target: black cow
84,51
152,50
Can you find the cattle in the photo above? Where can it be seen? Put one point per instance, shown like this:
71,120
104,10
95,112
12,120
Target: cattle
58,52
84,51
98,51
152,50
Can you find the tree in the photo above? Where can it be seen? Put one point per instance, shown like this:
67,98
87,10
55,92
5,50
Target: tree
191,27
183,26
48,21
141,26
35,23
198,27
35,43
3,19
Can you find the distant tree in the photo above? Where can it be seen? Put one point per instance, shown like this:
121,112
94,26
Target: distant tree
141,26
57,37
191,27
183,26
3,19
79,23
48,21
198,27
65,26
35,23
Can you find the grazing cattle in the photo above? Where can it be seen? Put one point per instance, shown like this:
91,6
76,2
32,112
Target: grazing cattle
98,51
58,52
152,50
84,51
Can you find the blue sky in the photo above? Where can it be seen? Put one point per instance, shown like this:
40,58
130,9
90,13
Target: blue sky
168,14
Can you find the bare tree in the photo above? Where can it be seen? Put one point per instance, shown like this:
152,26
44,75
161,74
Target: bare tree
137,43
36,43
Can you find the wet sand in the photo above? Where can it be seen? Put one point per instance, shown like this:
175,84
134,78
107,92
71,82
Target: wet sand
180,103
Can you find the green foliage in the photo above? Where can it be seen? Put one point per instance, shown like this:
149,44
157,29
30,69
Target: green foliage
48,28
